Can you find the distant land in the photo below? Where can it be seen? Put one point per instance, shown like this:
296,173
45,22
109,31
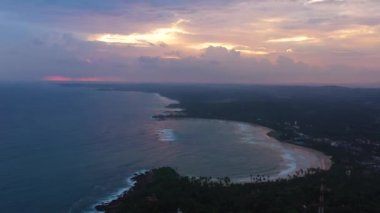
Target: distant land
339,121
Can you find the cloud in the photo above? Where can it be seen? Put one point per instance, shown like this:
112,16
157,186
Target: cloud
220,53
157,36
239,48
353,31
293,39
323,1
63,57
220,65
234,40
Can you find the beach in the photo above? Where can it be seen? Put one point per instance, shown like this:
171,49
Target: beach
295,159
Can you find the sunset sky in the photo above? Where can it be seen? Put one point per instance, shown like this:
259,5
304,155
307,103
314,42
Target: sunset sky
218,41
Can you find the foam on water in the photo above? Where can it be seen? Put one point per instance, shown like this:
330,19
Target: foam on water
118,193
291,164
166,135
246,135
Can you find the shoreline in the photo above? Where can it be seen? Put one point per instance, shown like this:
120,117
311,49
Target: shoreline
130,183
325,161
146,185
353,165
138,177
114,198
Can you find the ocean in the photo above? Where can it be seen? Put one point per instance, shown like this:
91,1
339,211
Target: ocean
65,149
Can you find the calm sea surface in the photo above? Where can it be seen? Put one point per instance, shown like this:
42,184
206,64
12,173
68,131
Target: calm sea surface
66,149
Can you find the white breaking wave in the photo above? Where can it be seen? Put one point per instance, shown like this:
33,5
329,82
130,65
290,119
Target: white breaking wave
291,164
166,135
113,196
245,132
248,136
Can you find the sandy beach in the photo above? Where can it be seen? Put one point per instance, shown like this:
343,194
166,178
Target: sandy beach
294,157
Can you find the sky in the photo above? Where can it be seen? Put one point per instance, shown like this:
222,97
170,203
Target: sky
215,41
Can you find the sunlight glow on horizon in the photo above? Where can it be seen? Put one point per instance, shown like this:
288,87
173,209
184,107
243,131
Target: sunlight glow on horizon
77,79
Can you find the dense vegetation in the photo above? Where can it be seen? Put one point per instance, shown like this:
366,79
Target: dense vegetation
330,111
163,190
342,122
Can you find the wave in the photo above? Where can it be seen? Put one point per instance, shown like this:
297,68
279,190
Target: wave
245,132
118,193
291,164
166,135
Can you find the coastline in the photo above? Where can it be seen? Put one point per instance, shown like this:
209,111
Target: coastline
130,183
322,161
325,161
139,178
113,200
166,185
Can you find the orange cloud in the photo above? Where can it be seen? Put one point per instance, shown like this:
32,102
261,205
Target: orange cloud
293,39
353,32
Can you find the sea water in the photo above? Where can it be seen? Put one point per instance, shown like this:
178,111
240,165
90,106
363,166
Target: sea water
66,149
